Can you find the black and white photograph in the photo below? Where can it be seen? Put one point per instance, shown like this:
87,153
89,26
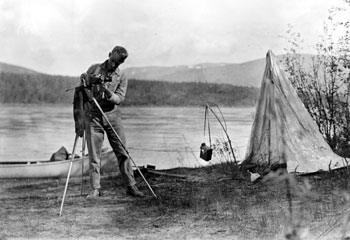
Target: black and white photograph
164,119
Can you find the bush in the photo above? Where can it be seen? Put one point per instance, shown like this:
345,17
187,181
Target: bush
324,84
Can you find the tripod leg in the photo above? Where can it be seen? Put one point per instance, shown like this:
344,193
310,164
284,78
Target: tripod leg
82,163
68,175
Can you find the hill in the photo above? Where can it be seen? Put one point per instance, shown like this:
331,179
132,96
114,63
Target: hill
247,74
182,85
9,68
41,88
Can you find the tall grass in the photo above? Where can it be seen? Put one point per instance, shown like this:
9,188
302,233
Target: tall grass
313,207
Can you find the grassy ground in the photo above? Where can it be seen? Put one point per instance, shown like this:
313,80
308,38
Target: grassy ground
212,202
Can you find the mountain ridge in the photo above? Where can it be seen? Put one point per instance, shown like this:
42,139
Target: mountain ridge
11,68
246,74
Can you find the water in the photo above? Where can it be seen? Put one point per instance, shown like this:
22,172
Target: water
166,137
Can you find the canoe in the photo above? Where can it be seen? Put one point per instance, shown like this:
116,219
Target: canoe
56,169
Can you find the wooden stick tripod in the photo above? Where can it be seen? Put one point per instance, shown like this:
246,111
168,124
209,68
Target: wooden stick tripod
74,146
69,171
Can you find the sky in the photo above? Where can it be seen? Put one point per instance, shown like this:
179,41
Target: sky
65,37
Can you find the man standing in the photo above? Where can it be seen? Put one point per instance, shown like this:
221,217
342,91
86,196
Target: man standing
109,90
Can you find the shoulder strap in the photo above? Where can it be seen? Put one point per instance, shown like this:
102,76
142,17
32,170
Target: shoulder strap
81,104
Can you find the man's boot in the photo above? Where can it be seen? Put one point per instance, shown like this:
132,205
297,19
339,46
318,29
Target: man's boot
134,191
94,194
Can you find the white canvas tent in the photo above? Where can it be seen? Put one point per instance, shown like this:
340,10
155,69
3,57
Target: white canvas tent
283,132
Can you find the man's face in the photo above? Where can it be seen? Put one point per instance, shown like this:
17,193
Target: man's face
114,61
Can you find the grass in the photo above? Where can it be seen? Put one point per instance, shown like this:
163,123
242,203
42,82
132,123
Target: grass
286,206
213,202
317,207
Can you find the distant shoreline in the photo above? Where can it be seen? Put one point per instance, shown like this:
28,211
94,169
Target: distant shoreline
122,106
38,89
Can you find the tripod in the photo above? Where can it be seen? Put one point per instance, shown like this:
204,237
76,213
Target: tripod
91,98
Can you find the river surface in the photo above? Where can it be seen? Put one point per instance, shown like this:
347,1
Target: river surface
166,137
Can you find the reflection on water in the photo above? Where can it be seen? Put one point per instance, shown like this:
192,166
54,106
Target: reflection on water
163,136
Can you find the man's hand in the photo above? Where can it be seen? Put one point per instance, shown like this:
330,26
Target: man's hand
107,91
83,80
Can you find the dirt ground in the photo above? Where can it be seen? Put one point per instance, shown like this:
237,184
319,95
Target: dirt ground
201,203
30,210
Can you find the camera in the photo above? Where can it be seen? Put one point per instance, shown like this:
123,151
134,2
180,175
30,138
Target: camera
97,79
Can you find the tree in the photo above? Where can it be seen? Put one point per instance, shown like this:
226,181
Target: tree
324,82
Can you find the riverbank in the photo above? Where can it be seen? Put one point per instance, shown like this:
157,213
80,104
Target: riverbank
214,202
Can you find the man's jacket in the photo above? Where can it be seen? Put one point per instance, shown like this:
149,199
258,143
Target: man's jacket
83,107
117,86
